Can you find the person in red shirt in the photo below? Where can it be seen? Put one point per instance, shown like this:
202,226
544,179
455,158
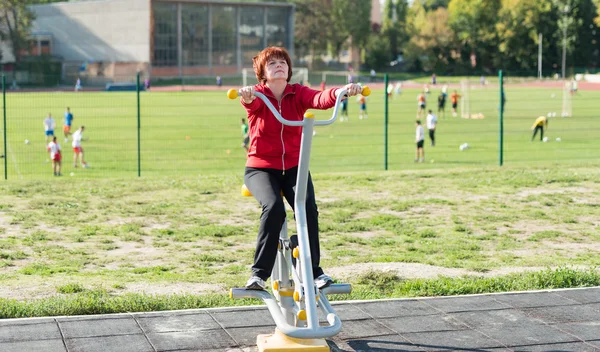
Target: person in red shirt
273,157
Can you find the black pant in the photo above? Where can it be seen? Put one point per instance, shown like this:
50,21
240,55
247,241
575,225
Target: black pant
432,136
541,129
266,186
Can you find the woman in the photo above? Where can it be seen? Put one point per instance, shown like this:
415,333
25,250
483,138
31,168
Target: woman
273,157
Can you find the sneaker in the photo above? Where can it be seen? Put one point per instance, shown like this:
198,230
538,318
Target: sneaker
255,283
323,281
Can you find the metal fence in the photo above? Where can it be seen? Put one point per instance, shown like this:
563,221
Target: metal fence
132,131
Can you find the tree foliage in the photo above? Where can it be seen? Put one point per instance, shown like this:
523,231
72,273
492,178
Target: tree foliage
394,27
312,17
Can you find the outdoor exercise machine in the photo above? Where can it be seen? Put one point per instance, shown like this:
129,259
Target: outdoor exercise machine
295,299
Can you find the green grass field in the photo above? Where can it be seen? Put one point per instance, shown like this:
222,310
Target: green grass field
179,237
192,133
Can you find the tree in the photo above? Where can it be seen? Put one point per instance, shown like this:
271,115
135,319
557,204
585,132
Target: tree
520,23
474,22
312,16
432,40
377,53
351,19
394,25
16,19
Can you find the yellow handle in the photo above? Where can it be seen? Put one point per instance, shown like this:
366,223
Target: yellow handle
366,91
232,93
246,192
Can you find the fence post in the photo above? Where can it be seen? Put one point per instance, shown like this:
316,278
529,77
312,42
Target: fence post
4,126
501,120
385,123
137,89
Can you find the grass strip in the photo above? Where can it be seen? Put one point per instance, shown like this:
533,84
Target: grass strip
370,285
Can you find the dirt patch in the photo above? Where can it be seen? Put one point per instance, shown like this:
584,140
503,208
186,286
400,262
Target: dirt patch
175,288
421,271
540,191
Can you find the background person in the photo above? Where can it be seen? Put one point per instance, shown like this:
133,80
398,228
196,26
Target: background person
421,104
77,148
362,101
431,124
420,140
49,126
454,100
245,135
344,110
55,155
442,104
273,168
68,123
540,124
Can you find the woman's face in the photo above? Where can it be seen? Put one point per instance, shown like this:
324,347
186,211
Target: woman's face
276,69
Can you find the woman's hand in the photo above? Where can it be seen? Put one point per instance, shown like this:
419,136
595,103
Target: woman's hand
353,89
247,94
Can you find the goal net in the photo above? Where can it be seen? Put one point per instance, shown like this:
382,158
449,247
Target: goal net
299,75
338,77
567,97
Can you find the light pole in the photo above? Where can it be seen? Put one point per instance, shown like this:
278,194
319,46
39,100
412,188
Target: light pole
564,53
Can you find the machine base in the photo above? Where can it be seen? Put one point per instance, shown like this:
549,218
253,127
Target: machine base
278,342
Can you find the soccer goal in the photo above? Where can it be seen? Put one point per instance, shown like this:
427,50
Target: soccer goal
465,100
338,77
299,75
567,98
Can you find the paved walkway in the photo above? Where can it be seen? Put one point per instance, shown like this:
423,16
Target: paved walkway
553,320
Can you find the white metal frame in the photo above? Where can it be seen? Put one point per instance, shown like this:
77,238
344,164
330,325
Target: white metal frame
293,287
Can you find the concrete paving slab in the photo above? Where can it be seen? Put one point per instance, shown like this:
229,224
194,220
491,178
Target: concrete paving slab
355,329
587,331
532,334
351,311
452,340
394,308
564,314
174,322
423,323
588,295
533,300
129,343
29,332
559,347
382,343
230,318
109,326
191,340
26,321
595,343
55,345
466,304
495,318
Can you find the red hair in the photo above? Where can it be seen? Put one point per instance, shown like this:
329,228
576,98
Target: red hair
273,52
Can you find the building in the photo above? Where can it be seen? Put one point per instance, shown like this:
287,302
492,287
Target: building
111,40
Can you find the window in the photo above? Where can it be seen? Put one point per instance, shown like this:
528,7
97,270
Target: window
251,33
224,39
194,39
165,34
277,22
